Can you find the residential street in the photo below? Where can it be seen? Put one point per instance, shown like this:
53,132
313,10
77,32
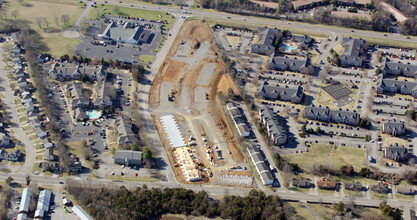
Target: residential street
19,132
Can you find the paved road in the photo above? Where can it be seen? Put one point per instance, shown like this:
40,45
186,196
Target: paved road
74,32
19,132
220,191
262,21
143,100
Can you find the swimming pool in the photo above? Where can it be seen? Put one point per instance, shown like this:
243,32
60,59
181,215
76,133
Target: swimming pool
287,48
93,114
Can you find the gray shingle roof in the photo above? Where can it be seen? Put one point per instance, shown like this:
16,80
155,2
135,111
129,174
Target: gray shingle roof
266,40
302,183
289,91
274,124
103,96
63,70
389,66
77,94
396,152
252,150
385,84
407,190
332,113
303,40
262,167
128,155
124,128
354,186
353,46
257,158
126,33
266,177
394,125
291,62
353,49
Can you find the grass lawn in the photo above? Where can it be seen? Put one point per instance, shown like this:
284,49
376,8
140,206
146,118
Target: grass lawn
388,140
59,45
233,40
387,42
23,119
146,59
353,193
303,190
20,110
17,101
253,26
39,157
111,136
301,210
404,197
339,49
36,167
33,137
27,128
39,146
331,156
18,147
5,170
376,195
132,178
323,98
322,211
326,192
364,181
56,44
75,148
134,12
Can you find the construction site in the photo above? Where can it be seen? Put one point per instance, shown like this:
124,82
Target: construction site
189,115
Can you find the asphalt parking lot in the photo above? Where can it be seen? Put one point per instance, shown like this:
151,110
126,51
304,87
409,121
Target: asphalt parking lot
92,47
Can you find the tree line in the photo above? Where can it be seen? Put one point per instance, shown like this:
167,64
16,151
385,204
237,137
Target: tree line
145,203
32,42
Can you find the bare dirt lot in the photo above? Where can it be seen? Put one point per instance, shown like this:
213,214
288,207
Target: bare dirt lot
197,104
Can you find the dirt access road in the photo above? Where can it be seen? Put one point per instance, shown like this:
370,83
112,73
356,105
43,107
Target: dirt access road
193,72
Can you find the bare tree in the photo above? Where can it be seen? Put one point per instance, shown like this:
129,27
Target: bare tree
56,20
295,117
411,106
3,14
324,73
365,74
46,21
15,14
65,19
255,81
287,110
39,21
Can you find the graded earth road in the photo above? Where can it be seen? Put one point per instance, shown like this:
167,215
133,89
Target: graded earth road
143,100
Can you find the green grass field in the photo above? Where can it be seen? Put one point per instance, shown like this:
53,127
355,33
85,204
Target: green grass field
254,26
322,154
50,33
146,59
134,12
75,148
132,178
387,42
